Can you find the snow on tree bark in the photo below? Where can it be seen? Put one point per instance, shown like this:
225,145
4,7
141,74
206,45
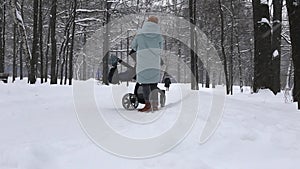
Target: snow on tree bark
262,46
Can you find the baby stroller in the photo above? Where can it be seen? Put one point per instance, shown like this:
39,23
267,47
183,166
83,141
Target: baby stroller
130,101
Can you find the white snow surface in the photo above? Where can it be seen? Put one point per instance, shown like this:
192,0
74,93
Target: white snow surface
265,20
40,130
275,54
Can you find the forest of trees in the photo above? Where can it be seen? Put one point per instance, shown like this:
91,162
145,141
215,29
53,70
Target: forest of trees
257,40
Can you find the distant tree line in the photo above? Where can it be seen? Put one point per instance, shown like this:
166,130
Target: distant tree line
257,40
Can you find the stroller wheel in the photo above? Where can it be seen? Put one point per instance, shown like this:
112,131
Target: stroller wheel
130,102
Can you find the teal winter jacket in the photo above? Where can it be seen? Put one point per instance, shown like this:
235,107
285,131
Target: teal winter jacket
148,43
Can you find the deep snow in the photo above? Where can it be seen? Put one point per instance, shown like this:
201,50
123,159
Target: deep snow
40,130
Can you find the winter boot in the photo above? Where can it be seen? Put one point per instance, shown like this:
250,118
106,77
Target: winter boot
147,107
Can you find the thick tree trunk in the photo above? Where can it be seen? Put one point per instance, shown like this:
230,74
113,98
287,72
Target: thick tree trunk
237,38
53,42
194,82
276,44
106,46
33,60
2,24
262,46
294,19
4,32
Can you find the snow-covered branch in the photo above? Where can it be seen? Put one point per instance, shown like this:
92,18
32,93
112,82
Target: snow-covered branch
88,20
89,10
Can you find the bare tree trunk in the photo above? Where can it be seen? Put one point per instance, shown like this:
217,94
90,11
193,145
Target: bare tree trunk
47,53
4,32
178,63
240,64
256,18
18,20
66,63
289,75
2,40
65,56
106,46
207,81
214,80
33,60
15,53
21,44
294,19
196,45
84,64
179,47
63,48
41,40
237,37
53,42
21,59
72,44
194,82
231,47
262,44
276,44
223,58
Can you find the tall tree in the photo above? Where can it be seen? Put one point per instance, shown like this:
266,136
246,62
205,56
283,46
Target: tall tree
47,51
2,25
41,40
21,29
15,52
53,42
106,44
276,44
223,57
21,44
232,44
194,59
33,60
72,44
293,7
262,46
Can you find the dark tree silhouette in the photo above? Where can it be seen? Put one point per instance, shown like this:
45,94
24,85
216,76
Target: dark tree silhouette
262,46
2,33
53,42
33,60
293,7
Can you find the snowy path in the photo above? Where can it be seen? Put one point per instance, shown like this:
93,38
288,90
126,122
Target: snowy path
39,130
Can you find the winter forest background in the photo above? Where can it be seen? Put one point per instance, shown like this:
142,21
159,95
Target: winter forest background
257,41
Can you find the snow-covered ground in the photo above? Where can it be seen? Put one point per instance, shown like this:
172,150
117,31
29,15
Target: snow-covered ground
40,130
